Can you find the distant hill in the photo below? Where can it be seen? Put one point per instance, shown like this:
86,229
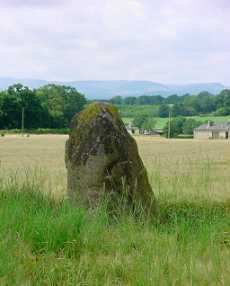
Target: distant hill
196,88
33,83
108,89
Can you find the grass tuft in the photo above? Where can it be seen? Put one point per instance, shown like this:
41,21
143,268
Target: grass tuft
50,242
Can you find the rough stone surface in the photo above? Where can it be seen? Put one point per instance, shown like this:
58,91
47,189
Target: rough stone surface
101,156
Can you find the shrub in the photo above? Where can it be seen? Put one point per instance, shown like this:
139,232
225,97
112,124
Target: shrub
189,126
176,127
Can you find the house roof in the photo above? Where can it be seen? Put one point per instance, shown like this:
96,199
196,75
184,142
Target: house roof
211,126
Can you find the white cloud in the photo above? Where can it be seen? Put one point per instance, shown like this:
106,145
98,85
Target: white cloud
167,41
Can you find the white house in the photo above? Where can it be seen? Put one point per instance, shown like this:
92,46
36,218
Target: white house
212,130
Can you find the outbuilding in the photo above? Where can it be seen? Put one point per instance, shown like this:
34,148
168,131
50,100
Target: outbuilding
212,130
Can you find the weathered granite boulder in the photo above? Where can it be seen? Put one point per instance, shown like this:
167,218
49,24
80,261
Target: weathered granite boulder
102,157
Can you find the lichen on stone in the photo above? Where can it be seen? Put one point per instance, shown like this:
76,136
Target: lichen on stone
93,109
101,156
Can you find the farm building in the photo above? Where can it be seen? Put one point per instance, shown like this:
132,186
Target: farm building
132,129
155,132
213,130
138,131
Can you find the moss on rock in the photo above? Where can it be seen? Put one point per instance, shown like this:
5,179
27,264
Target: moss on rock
101,156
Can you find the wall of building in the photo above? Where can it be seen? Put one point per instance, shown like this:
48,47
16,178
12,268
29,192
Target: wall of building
133,131
206,134
202,134
222,135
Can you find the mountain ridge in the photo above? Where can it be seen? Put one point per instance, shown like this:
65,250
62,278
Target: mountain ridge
94,89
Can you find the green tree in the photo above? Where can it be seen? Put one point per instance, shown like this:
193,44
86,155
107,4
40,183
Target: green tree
149,99
205,102
223,99
139,120
173,99
176,127
222,111
131,100
20,99
149,124
116,100
190,103
144,122
189,125
164,110
178,109
1,110
61,103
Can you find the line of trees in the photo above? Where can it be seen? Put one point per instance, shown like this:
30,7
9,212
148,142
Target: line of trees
186,105
51,106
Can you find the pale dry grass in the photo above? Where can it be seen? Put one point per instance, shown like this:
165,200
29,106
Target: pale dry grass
200,167
175,166
37,155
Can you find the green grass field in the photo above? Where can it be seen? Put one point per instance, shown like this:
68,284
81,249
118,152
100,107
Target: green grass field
46,241
161,122
130,110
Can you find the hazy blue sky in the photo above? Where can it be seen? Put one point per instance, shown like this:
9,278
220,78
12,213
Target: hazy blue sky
168,41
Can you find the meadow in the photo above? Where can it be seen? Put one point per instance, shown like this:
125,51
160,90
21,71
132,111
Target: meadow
46,241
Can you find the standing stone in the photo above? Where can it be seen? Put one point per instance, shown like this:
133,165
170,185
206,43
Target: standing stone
102,157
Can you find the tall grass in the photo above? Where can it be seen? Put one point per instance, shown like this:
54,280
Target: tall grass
50,242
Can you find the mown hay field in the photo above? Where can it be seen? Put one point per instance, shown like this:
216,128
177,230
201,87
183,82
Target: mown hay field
180,167
47,241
